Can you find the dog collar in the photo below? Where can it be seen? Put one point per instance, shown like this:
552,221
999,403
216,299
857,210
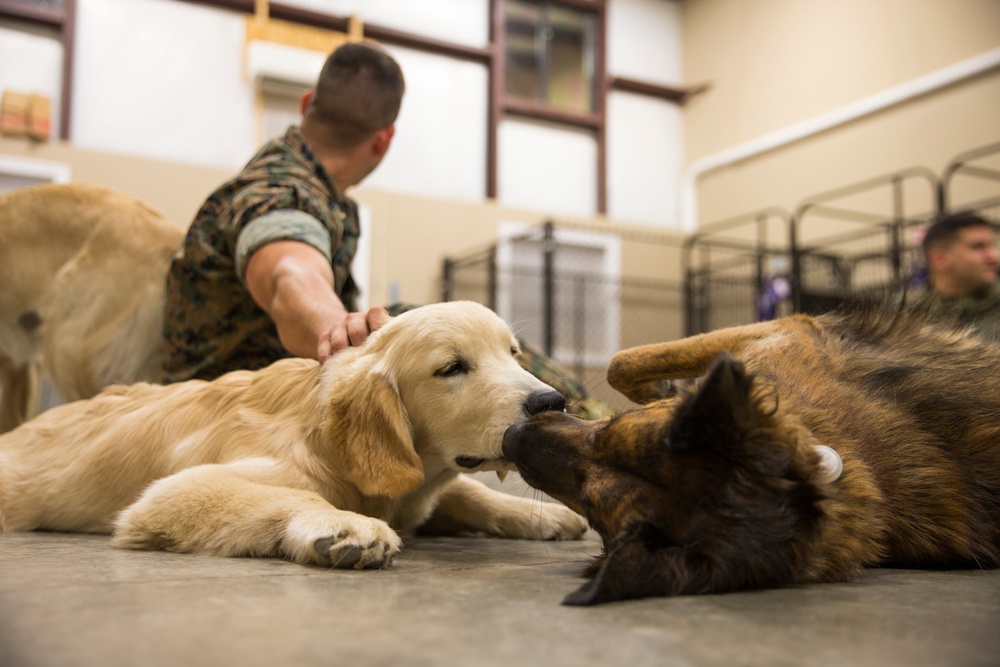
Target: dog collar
831,466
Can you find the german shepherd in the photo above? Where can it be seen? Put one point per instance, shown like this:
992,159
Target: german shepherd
813,448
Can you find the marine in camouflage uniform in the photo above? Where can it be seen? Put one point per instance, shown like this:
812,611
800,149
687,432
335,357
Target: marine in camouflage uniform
211,323
980,311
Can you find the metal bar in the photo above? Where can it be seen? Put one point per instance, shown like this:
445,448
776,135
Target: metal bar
548,287
847,214
491,280
579,326
447,268
896,251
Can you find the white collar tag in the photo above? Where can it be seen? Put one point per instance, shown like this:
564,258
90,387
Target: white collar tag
831,466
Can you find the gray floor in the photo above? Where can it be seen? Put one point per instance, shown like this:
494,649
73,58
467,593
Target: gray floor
73,600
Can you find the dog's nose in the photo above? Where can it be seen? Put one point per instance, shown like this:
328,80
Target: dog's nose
544,401
511,446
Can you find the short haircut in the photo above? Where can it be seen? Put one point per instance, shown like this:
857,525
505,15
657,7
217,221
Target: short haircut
944,231
358,92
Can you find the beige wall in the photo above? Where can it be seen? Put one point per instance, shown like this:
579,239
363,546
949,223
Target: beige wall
176,189
773,63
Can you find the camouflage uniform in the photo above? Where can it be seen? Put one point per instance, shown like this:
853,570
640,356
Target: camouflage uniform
213,326
981,312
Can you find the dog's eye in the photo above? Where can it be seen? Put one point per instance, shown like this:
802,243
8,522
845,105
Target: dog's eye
454,368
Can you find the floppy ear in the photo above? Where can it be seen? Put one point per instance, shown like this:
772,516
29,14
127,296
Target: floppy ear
643,564
716,413
376,447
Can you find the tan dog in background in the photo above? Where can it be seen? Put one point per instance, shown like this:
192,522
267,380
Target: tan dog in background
318,464
82,270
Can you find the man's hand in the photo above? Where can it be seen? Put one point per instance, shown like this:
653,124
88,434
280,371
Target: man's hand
352,331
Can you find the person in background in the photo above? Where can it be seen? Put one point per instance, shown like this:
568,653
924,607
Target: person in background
962,262
264,272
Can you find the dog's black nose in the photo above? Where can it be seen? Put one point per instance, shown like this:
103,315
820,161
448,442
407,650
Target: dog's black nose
544,401
511,446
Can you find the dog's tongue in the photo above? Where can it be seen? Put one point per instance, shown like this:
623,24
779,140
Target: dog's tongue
469,461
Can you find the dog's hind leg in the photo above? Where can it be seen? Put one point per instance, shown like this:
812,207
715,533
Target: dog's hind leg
20,390
638,372
239,510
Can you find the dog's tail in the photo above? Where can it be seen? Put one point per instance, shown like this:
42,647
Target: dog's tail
20,392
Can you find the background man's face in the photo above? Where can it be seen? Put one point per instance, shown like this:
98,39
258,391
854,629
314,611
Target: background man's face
972,259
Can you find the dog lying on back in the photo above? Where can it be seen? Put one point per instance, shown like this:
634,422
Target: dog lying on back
317,464
813,447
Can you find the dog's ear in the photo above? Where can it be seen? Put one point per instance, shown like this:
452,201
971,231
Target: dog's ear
375,444
643,563
717,411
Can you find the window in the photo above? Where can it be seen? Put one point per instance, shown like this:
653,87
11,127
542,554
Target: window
550,55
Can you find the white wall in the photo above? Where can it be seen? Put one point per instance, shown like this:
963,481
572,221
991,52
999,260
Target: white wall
547,167
439,149
645,135
645,144
31,63
644,40
162,79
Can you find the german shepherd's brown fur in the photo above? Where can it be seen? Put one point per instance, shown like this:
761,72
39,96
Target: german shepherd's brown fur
723,487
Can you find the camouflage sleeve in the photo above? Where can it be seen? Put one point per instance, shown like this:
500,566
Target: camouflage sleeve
280,225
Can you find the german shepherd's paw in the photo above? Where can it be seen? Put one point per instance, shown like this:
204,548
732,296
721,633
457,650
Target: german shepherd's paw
341,539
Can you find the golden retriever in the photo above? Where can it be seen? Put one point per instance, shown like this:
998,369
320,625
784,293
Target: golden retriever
81,292
315,463
812,448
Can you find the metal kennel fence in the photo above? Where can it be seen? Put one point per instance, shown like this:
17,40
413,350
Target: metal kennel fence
875,248
971,182
736,271
579,293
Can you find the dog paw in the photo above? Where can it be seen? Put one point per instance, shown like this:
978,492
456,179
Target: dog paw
543,521
559,523
354,542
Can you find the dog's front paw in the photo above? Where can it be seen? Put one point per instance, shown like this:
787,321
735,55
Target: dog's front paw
543,521
341,539
559,522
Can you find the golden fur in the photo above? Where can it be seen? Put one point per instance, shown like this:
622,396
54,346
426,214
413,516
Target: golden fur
81,292
319,464
810,449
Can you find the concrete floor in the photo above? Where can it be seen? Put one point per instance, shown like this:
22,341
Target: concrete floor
70,600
